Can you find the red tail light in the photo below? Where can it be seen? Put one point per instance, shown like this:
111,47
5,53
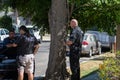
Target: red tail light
84,43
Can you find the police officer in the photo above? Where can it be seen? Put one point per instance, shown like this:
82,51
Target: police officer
27,46
74,43
9,50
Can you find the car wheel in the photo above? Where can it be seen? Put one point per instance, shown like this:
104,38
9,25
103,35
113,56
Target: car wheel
90,53
99,50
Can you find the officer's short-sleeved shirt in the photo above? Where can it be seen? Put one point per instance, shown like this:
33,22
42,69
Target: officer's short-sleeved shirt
75,36
26,44
9,41
11,51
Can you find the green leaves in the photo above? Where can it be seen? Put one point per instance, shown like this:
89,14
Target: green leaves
103,15
100,14
117,13
37,10
6,22
111,69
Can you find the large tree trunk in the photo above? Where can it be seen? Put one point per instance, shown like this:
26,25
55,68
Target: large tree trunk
118,38
57,21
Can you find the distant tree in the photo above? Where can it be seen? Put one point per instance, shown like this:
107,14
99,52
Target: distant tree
36,10
100,14
6,22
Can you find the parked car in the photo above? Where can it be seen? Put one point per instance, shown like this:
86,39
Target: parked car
106,40
1,45
3,34
8,66
103,37
90,45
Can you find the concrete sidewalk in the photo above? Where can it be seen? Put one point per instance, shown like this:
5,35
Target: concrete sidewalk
46,37
93,76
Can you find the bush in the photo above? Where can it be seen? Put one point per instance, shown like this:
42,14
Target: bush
110,69
6,22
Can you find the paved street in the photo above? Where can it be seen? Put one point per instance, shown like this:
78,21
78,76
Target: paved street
42,59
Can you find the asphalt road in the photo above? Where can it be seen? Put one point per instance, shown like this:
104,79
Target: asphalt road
42,59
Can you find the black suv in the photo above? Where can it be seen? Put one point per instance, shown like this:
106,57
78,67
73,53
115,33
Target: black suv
8,65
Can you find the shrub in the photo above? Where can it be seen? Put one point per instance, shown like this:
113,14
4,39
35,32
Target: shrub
110,69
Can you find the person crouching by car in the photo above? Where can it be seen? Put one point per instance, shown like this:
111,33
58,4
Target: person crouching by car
8,48
27,46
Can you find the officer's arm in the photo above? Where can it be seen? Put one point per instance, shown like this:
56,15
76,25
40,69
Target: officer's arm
71,39
36,46
6,43
18,41
69,43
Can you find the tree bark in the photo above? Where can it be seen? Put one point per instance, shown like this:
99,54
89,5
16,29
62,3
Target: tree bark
118,38
57,21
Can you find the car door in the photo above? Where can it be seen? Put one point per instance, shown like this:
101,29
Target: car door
6,33
36,33
93,43
2,34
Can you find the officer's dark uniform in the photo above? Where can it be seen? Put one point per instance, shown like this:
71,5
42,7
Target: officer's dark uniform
25,47
25,44
75,48
10,52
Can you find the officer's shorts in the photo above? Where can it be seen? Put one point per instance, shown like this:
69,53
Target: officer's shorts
26,63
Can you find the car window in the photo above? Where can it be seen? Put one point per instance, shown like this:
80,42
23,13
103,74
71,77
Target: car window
92,38
35,29
85,37
6,31
2,32
97,34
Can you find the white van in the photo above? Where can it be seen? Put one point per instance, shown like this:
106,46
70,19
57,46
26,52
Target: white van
3,34
34,31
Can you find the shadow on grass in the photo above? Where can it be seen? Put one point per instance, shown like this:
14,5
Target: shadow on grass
91,75
101,58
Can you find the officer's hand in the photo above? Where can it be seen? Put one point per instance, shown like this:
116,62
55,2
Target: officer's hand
69,43
9,45
14,45
36,48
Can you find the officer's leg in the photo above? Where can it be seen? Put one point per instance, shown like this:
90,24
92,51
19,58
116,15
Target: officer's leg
74,65
77,68
77,65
